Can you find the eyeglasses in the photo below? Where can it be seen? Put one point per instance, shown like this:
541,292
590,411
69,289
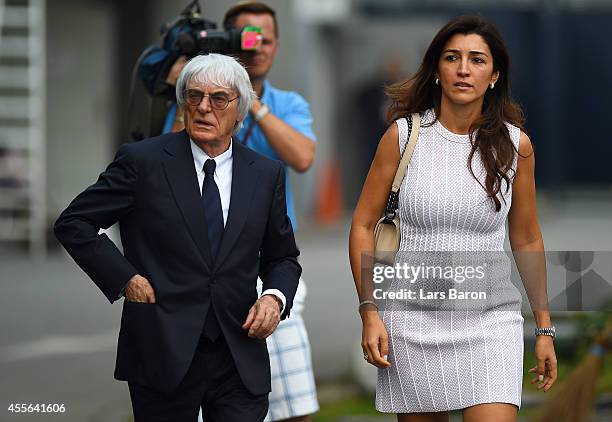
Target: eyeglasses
218,101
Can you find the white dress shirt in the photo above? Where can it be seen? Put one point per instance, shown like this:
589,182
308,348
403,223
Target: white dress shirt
223,179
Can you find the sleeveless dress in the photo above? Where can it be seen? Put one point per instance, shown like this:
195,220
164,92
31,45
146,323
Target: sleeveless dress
451,359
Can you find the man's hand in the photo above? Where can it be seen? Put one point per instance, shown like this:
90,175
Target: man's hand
263,317
139,290
292,147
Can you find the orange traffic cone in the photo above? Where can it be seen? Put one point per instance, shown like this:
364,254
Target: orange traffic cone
329,206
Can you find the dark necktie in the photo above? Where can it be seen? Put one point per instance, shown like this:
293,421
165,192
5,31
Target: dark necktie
212,207
214,221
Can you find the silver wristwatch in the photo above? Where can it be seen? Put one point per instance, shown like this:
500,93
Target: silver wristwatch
548,331
261,113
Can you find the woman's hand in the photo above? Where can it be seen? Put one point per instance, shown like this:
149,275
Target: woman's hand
374,339
546,365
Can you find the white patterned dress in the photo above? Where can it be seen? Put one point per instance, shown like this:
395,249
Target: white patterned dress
446,360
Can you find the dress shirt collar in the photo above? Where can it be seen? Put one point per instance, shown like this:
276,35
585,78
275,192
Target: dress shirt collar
200,157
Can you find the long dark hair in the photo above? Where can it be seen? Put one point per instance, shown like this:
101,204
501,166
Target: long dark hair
492,139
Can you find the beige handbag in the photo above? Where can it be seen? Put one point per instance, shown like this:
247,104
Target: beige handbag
387,231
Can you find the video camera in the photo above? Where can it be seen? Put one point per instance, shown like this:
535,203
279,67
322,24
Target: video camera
190,34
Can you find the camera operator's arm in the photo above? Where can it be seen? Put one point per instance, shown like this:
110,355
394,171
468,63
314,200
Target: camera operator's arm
291,145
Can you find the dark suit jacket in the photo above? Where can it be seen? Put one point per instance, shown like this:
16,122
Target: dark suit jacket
151,189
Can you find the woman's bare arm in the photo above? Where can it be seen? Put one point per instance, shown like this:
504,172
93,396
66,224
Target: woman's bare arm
374,339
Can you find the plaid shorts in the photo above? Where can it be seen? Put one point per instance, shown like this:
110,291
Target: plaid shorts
293,389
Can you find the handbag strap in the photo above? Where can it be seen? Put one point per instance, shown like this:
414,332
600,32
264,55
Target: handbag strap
414,122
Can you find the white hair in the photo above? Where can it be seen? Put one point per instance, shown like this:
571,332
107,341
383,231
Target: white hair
223,71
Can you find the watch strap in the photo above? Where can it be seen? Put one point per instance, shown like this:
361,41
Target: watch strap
546,331
261,113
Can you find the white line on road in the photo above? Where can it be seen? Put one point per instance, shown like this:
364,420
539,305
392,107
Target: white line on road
59,345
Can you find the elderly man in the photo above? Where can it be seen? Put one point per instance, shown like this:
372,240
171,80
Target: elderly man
196,235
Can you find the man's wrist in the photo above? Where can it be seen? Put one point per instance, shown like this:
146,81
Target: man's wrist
125,286
255,106
278,295
277,300
260,113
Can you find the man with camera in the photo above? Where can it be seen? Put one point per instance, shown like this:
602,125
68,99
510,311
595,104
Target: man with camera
280,126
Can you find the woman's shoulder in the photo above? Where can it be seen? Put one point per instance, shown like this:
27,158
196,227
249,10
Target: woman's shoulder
427,118
515,133
525,148
520,139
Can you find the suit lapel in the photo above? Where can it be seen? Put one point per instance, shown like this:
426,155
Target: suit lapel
181,175
244,180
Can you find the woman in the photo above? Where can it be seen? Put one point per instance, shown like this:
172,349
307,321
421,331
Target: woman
472,169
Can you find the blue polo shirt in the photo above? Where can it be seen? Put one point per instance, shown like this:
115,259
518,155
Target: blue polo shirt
292,109
288,106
